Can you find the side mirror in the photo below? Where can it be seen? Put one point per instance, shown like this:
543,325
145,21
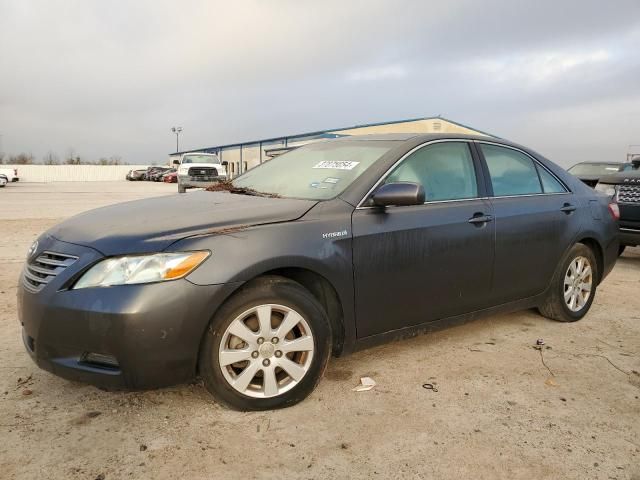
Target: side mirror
176,162
399,193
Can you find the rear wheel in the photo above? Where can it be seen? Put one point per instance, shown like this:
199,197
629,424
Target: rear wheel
573,287
267,347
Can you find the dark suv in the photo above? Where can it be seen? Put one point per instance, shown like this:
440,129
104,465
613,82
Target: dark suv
624,188
332,247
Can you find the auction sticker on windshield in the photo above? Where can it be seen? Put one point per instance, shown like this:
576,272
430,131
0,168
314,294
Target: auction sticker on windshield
337,165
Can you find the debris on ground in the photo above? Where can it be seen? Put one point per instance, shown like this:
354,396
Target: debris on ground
26,392
366,384
23,381
430,386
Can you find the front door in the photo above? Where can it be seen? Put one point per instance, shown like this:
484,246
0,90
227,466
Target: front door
415,264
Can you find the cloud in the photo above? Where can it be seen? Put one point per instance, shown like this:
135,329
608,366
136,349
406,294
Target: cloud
539,68
389,72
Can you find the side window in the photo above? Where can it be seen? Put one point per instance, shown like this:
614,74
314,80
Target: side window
445,170
511,172
549,183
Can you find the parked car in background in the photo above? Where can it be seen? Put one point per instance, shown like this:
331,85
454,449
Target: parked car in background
148,174
591,172
171,177
135,175
624,189
11,174
157,175
336,246
3,181
199,170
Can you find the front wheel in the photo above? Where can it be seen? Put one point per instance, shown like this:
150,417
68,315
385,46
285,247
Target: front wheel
573,286
267,347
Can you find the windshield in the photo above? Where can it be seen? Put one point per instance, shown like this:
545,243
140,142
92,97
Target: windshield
200,159
595,168
318,171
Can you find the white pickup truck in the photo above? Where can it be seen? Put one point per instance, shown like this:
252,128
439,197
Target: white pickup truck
8,175
199,170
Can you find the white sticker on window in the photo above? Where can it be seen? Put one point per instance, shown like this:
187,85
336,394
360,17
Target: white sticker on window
336,165
331,180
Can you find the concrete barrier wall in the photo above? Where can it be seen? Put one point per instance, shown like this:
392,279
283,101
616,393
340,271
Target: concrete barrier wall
73,173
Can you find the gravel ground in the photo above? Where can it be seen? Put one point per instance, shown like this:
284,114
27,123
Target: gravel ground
499,412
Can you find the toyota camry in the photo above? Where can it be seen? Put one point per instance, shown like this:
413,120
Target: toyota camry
333,247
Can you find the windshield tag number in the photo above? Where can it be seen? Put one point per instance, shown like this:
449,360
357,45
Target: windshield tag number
342,233
337,165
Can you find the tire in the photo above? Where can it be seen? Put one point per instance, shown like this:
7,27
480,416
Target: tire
555,306
3,182
181,189
276,297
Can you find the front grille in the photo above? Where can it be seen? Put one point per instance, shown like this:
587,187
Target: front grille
629,194
44,268
203,172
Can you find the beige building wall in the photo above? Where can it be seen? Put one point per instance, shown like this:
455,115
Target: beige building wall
432,125
250,156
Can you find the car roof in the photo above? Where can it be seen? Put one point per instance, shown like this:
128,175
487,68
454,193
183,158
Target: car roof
400,137
600,163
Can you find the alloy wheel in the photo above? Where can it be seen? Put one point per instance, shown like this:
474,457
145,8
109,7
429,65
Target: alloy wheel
266,351
578,281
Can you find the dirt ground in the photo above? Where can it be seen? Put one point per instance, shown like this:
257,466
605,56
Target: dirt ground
499,412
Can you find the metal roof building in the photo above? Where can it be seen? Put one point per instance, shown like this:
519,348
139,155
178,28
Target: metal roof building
246,155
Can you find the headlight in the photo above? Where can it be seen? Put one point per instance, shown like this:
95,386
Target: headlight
183,170
607,189
141,269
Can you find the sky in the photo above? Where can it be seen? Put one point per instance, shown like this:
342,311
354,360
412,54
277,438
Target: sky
108,78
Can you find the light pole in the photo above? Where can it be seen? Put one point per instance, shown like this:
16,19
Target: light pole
177,131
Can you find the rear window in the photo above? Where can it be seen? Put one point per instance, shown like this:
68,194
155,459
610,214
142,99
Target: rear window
511,172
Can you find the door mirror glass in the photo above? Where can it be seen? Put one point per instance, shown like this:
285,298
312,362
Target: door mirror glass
399,193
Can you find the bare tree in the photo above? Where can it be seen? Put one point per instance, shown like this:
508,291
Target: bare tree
115,160
50,158
71,157
21,159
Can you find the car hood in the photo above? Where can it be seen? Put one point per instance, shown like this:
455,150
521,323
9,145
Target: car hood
630,177
151,225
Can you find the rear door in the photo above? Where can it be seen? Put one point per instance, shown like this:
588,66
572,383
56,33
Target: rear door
419,263
535,222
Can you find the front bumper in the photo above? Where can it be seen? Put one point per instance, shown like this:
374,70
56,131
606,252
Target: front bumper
195,182
153,331
629,237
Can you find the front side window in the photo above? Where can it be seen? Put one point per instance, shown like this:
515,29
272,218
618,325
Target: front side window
511,172
445,170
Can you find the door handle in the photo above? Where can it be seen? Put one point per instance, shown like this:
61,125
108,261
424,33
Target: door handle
481,218
568,208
